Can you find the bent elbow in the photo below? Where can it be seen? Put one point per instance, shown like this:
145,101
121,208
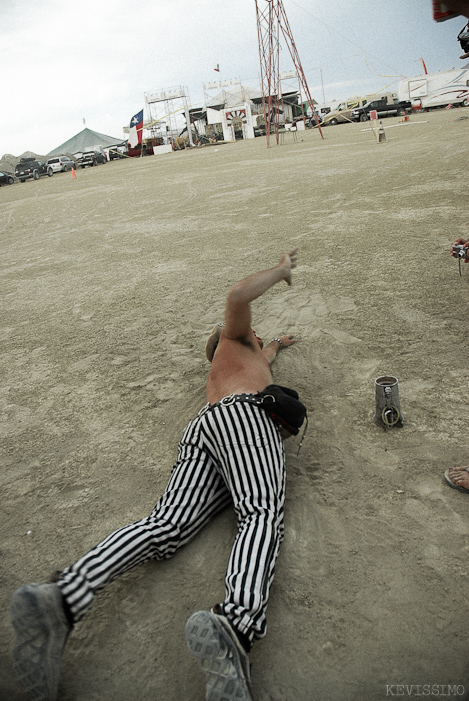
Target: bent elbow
237,295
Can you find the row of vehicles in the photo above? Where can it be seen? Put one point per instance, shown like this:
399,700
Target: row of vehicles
33,168
432,90
26,169
358,110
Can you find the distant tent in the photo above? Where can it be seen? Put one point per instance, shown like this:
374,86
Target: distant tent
86,139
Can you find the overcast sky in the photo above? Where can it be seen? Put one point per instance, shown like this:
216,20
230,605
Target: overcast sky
65,61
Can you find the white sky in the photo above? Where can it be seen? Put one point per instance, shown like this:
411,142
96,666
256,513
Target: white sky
63,61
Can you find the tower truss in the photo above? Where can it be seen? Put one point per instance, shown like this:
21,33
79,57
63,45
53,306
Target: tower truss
272,22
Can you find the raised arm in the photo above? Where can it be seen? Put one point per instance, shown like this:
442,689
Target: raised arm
238,304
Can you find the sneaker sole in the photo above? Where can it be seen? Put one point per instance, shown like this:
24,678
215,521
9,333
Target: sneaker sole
32,652
225,678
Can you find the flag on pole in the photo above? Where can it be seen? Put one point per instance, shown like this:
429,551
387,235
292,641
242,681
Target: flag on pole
136,129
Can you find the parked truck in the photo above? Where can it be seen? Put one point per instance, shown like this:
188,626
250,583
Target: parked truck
386,105
91,158
29,168
341,113
437,89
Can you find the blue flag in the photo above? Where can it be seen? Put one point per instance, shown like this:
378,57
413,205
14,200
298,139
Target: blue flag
137,120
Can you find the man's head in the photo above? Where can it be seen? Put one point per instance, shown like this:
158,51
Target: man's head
259,340
212,341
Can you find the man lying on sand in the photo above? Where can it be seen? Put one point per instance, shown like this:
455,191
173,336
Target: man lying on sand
232,453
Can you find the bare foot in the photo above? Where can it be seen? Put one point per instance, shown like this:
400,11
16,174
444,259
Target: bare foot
458,477
288,340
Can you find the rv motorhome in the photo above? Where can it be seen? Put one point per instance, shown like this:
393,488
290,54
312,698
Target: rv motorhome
437,89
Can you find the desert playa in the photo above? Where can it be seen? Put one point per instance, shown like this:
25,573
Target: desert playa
110,285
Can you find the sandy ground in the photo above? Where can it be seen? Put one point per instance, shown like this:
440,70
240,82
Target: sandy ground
110,284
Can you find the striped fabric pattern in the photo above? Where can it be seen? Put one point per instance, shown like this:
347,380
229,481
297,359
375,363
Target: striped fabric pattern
229,454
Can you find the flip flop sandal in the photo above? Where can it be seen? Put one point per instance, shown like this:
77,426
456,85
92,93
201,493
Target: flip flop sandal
455,486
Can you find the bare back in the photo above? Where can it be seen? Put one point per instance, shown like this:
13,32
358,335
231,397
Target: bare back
237,367
239,364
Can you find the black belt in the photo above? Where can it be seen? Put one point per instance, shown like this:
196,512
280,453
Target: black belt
231,399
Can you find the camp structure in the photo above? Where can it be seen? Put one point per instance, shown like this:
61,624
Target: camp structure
237,112
87,140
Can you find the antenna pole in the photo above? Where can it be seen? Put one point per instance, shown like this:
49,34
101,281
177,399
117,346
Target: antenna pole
271,20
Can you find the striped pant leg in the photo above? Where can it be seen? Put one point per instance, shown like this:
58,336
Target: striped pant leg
195,493
252,458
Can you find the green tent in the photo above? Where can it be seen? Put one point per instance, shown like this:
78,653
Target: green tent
85,140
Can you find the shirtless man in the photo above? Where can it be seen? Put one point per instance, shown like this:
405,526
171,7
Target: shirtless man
231,453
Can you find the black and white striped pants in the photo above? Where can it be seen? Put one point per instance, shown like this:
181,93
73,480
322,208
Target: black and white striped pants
230,453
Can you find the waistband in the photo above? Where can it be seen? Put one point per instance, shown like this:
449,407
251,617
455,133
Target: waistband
280,403
231,399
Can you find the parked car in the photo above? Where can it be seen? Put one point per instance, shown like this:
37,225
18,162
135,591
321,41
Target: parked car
310,122
61,163
91,158
29,168
6,179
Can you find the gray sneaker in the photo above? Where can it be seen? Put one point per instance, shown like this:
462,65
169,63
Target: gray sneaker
42,629
221,656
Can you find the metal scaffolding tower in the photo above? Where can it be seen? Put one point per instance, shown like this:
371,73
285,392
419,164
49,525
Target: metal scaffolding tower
271,21
165,108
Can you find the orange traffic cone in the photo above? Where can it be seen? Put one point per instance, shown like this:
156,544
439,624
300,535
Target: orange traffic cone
74,175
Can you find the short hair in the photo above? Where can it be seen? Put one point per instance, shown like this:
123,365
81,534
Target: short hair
212,341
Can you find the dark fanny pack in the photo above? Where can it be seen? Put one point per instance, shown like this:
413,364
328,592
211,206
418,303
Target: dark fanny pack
283,406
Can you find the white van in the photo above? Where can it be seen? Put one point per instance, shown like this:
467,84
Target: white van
61,163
